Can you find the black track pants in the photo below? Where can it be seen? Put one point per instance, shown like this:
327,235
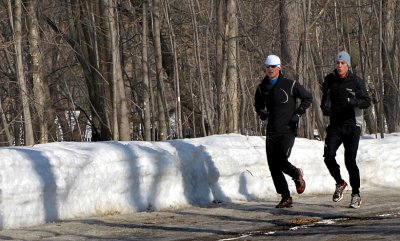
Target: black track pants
278,149
349,136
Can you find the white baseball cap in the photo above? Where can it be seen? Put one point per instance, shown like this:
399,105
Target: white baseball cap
272,60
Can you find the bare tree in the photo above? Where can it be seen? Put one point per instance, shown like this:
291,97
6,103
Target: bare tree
161,102
391,86
121,122
221,65
232,89
295,51
145,75
41,91
307,73
88,58
176,76
363,46
199,70
200,79
380,70
290,16
19,69
6,125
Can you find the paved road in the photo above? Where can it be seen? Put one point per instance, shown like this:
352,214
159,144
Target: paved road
313,217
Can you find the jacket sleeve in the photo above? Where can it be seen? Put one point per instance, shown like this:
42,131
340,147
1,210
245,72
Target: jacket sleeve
362,96
326,99
259,101
325,91
304,95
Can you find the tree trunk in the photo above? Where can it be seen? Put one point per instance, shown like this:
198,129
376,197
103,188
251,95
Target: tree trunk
388,58
289,36
221,65
40,88
209,93
100,16
161,101
119,94
6,125
199,71
232,90
178,108
369,115
95,82
294,46
306,72
145,75
380,72
19,69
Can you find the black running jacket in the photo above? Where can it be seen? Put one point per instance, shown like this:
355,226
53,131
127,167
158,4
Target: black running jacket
280,102
336,94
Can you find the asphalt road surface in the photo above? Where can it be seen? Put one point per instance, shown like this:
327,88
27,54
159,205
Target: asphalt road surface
313,217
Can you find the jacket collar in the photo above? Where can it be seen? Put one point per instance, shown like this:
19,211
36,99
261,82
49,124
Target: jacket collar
266,79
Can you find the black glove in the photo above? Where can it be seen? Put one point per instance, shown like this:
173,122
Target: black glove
263,114
294,123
